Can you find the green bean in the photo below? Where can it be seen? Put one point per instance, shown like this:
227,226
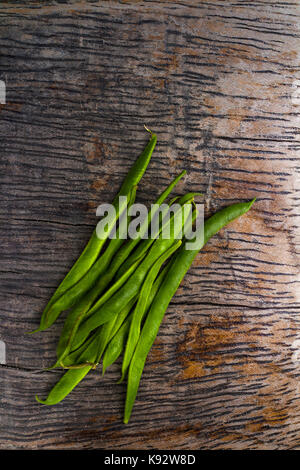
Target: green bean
113,306
74,356
144,246
119,334
72,323
73,376
78,290
178,269
106,330
74,320
138,169
119,319
80,310
84,306
95,244
66,384
116,345
126,249
141,306
109,328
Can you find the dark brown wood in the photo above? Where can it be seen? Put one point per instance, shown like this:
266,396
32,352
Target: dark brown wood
219,83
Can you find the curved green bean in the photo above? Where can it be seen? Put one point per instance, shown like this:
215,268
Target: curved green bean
73,376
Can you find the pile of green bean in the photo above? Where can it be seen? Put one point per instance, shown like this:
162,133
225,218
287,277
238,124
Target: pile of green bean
119,289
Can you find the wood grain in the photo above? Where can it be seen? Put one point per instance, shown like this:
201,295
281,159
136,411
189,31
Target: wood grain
219,83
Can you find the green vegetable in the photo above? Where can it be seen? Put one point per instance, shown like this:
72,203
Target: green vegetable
119,297
113,306
177,271
92,250
72,377
141,306
121,328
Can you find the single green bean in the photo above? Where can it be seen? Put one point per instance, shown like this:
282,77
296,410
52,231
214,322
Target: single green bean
178,269
73,376
138,169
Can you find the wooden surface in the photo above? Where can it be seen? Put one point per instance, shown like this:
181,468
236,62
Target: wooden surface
219,83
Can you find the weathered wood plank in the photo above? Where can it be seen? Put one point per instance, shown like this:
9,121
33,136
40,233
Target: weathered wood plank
219,82
225,378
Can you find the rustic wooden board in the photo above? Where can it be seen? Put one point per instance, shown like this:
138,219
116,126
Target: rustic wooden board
219,83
